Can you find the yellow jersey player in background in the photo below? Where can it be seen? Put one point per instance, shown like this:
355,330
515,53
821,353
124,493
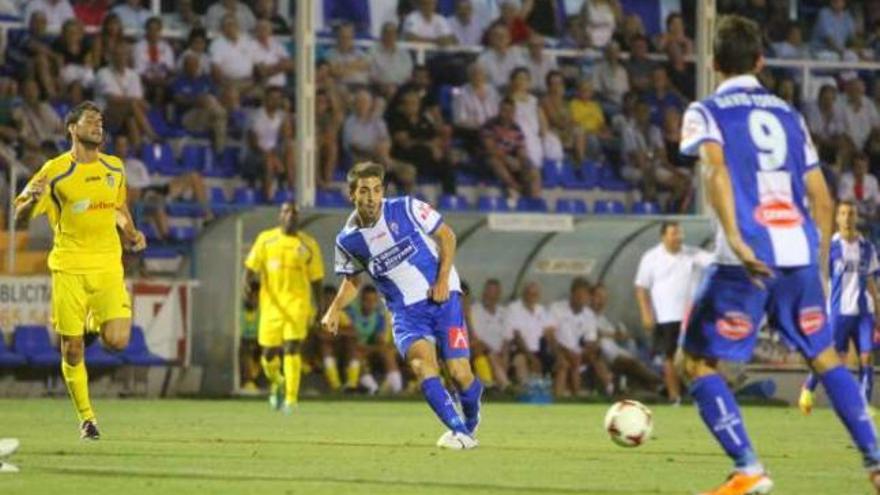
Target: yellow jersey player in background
285,264
82,192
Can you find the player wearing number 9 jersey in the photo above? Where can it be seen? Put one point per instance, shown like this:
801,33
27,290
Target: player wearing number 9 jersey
759,169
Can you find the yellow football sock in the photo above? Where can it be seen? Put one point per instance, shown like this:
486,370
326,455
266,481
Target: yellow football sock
331,373
272,369
292,370
352,373
483,370
77,381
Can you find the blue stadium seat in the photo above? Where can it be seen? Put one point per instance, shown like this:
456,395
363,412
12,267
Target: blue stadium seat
97,357
149,231
608,207
330,198
193,157
446,8
282,195
465,178
182,233
608,180
244,197
444,99
534,205
492,203
571,205
159,158
450,202
223,164
9,359
646,208
161,125
32,342
552,173
220,204
137,353
161,252
187,209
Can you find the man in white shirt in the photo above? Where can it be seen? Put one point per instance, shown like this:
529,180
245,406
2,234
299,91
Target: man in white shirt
861,188
132,14
270,153
427,26
500,58
465,26
348,63
860,116
241,12
532,334
153,56
390,66
576,334
120,94
233,56
273,62
610,77
539,63
664,284
489,332
56,11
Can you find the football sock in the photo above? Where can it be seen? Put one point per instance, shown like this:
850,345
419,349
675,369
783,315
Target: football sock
721,415
77,380
866,380
483,369
292,372
470,400
440,401
331,373
849,404
369,382
352,373
395,382
811,382
272,369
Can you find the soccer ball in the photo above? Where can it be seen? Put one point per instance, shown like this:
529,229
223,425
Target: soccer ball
629,423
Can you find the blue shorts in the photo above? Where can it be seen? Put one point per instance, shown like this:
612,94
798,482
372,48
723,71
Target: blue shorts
856,328
728,311
442,324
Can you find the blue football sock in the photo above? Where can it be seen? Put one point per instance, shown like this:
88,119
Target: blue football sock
720,412
866,381
849,404
812,382
441,402
470,403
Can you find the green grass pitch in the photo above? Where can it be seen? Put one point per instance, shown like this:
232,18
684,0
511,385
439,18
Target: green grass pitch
213,447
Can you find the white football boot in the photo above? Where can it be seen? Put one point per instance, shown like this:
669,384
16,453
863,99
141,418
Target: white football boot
456,441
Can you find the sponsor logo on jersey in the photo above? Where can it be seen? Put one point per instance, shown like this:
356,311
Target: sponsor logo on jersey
392,257
734,325
111,181
394,228
93,178
778,214
457,338
812,319
424,210
81,206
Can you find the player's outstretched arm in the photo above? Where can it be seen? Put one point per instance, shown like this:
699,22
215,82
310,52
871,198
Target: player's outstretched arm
446,241
28,199
719,191
348,290
822,211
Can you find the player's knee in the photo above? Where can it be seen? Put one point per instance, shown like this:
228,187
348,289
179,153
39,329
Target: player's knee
72,350
826,360
461,372
693,367
116,341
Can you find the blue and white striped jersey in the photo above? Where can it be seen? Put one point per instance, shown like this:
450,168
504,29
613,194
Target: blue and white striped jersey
397,251
851,265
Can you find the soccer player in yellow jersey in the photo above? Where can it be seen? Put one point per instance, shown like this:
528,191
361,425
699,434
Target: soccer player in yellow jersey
82,192
285,263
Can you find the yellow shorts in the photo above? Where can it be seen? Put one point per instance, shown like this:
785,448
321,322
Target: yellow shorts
275,329
102,296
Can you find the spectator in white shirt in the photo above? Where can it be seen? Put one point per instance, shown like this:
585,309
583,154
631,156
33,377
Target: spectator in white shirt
270,152
214,18
233,56
472,106
272,60
184,18
859,113
664,286
578,342
133,15
486,12
528,324
426,25
197,46
860,187
390,66
153,56
599,19
56,12
610,78
464,25
539,63
500,58
121,95
348,63
489,333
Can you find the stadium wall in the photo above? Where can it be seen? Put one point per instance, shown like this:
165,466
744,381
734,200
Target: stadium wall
514,248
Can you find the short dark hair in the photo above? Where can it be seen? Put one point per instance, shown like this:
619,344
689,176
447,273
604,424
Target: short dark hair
847,202
364,170
77,112
671,17
519,70
553,73
580,283
153,20
666,225
492,281
738,45
507,101
369,288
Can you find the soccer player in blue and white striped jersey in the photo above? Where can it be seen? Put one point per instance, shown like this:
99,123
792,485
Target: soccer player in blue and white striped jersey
853,304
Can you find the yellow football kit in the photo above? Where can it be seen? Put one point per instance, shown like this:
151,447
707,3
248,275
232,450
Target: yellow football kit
287,265
81,201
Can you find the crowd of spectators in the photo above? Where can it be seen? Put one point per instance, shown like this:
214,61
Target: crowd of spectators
498,111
